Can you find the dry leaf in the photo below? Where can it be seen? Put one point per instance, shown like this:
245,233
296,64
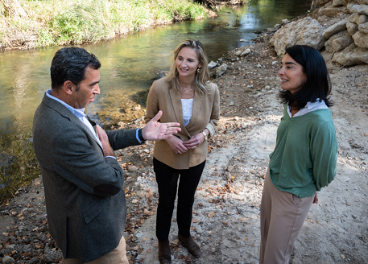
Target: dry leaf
211,214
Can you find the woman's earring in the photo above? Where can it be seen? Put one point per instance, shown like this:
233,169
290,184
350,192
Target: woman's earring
199,70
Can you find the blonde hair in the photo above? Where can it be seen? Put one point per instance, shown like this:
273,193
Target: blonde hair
201,77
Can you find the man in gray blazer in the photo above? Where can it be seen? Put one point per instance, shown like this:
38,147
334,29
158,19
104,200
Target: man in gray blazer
83,181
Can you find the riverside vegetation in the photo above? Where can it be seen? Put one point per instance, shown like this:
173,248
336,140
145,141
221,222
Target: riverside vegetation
26,24
33,23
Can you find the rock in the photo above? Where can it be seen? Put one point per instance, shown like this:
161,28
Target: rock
351,55
335,28
352,28
212,65
359,9
328,43
363,28
306,31
284,21
50,256
132,168
271,29
259,66
244,40
238,53
8,260
342,42
34,260
358,19
361,39
337,2
221,70
246,52
231,104
332,11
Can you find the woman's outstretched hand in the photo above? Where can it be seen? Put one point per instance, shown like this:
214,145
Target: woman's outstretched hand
177,145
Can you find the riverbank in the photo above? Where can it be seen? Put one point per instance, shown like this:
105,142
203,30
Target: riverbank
33,24
226,209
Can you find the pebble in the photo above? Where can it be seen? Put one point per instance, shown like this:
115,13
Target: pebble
244,40
259,65
274,62
132,168
212,65
7,259
246,52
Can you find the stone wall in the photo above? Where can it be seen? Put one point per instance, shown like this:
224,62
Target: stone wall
339,27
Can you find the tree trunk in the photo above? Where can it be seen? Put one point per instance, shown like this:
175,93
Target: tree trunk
13,8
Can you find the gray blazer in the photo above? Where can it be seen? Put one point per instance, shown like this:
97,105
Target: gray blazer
83,190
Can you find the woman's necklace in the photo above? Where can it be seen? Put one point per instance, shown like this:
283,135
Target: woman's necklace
186,91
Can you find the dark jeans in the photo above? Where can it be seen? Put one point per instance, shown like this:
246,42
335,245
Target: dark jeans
167,179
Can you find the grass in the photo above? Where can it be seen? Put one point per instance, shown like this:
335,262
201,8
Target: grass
58,22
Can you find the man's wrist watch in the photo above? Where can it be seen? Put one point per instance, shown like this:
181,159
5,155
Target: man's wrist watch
140,136
205,136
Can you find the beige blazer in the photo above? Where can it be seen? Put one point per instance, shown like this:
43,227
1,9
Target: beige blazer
206,113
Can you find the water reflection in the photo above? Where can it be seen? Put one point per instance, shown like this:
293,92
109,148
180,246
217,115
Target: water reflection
129,63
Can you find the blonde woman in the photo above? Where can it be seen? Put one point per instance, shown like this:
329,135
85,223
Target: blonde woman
184,96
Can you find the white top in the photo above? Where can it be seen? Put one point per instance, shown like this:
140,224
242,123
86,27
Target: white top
187,105
309,108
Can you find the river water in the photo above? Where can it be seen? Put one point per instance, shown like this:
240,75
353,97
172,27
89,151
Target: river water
129,63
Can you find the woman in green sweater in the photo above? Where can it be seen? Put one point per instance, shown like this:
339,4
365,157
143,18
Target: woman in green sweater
305,156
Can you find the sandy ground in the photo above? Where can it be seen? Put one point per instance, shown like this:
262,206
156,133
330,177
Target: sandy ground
226,209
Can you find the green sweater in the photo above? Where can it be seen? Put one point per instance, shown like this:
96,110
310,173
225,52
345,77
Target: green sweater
305,156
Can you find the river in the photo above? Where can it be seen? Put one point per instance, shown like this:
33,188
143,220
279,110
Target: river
129,64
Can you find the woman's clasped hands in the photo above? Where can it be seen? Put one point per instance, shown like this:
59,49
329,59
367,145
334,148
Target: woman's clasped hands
180,147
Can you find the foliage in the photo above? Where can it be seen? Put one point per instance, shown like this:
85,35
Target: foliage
18,164
58,22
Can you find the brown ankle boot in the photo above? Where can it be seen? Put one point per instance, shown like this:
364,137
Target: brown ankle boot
190,245
164,252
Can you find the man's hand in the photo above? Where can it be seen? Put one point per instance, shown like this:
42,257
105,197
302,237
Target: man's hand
107,149
157,131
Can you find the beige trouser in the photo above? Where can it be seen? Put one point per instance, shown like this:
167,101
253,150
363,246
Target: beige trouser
116,256
282,217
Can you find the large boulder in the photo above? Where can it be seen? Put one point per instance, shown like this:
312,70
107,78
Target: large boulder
342,42
332,11
351,56
358,19
352,28
363,28
306,31
359,9
318,3
361,39
221,70
337,2
338,41
335,28
361,2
